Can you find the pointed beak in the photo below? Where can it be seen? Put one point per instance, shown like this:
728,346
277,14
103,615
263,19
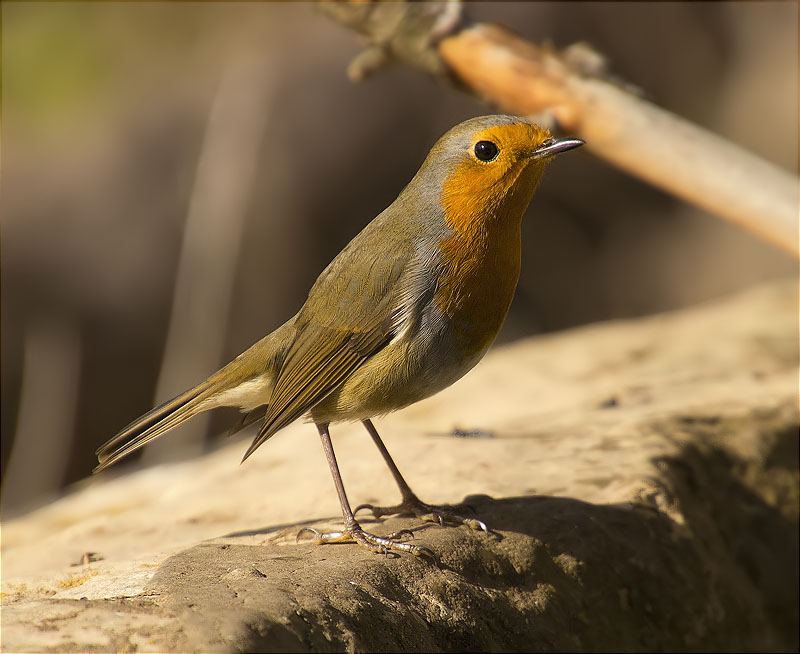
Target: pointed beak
555,146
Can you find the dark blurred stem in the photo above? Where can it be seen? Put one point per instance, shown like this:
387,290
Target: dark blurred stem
212,239
46,418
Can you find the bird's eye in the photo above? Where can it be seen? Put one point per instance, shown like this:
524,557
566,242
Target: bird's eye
486,150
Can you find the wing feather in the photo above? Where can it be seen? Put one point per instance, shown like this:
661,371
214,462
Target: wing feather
321,362
355,308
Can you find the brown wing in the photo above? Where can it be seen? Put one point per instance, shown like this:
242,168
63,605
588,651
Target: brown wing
320,360
350,314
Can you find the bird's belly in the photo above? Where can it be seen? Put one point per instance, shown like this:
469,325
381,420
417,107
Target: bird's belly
454,331
406,371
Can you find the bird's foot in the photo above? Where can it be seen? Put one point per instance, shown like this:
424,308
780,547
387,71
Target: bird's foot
427,512
378,544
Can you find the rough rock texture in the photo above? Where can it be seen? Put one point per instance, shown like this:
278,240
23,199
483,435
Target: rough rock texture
644,496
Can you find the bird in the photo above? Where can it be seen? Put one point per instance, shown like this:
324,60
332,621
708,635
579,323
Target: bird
407,308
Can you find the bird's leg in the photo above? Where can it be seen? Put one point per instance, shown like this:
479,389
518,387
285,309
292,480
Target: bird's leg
411,504
352,530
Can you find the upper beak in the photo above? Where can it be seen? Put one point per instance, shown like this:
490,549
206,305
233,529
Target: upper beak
555,146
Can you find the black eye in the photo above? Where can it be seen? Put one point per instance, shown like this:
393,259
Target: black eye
486,150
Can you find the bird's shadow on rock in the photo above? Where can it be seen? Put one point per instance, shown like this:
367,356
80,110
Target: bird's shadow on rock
562,524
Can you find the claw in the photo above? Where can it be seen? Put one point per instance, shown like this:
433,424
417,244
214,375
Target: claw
432,517
397,535
385,545
477,525
322,538
310,530
426,512
424,551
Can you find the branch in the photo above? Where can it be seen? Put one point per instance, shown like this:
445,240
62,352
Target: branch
618,126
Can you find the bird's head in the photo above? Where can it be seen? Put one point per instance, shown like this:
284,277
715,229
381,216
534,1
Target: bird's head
489,165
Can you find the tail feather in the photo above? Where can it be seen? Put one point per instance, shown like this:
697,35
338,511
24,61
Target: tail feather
153,424
246,383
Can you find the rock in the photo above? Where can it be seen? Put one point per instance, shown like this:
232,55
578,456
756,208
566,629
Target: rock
640,479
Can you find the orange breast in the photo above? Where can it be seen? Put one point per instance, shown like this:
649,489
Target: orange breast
482,257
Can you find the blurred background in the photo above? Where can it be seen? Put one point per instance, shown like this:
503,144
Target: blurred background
225,141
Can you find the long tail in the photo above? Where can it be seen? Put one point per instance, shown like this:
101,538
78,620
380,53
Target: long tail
246,383
155,423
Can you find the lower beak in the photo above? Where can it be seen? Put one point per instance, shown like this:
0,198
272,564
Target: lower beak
552,147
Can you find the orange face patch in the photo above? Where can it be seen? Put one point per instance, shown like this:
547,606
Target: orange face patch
490,181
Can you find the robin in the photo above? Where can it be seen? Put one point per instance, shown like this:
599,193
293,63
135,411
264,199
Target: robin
408,307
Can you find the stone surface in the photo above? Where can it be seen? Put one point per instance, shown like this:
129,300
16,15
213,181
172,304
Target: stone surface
640,479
